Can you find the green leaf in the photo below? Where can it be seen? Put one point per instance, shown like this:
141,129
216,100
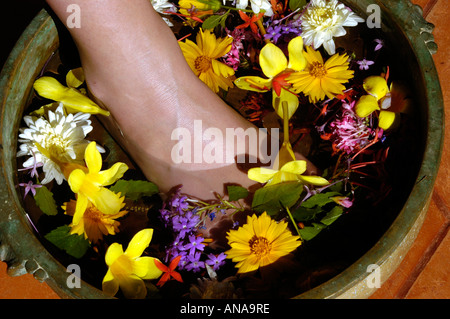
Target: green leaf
320,199
309,232
212,22
236,192
332,215
295,4
273,198
45,201
134,190
303,214
75,245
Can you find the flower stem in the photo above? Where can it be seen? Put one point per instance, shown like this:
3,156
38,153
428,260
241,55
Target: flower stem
293,221
262,30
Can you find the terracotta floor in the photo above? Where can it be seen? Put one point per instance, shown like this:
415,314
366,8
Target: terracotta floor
424,273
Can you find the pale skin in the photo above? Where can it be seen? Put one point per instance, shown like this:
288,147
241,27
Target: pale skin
134,67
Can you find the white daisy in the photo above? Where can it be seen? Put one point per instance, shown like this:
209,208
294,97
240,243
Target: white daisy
257,6
55,139
324,20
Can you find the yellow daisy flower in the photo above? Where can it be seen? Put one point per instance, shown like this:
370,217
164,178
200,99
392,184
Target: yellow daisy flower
128,269
94,224
202,59
319,78
260,242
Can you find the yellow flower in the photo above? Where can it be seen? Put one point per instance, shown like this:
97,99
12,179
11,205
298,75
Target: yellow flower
202,56
89,185
277,69
94,224
73,99
128,269
321,79
291,171
260,242
379,97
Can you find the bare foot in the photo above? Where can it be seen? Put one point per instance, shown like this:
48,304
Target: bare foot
135,68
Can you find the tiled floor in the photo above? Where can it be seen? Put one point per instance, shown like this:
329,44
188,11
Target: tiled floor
424,273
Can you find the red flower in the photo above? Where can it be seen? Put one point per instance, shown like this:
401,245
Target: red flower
249,21
168,271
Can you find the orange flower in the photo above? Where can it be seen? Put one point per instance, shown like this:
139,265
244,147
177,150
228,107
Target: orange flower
168,271
249,22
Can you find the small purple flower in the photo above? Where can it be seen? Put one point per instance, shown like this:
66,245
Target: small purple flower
216,261
380,44
30,187
195,243
364,64
274,33
195,263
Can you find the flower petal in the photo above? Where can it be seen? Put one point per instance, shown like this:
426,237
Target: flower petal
294,167
139,242
132,287
386,119
253,83
272,60
376,86
75,77
93,158
111,175
114,251
366,105
145,268
261,174
314,180
110,285
288,97
297,60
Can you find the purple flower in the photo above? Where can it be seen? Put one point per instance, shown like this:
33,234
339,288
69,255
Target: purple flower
274,33
195,263
30,187
380,44
364,64
183,225
195,243
216,261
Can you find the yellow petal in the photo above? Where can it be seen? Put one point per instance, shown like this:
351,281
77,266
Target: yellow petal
314,180
75,78
253,83
272,60
281,177
72,99
285,155
49,88
297,60
110,285
285,96
80,208
139,242
112,174
114,251
261,174
366,105
145,268
294,167
376,85
386,119
106,201
76,180
132,287
93,158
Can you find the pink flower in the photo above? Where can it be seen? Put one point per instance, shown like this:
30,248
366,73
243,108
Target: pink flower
364,64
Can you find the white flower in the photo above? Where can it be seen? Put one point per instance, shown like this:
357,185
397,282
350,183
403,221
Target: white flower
324,20
55,139
257,5
163,6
